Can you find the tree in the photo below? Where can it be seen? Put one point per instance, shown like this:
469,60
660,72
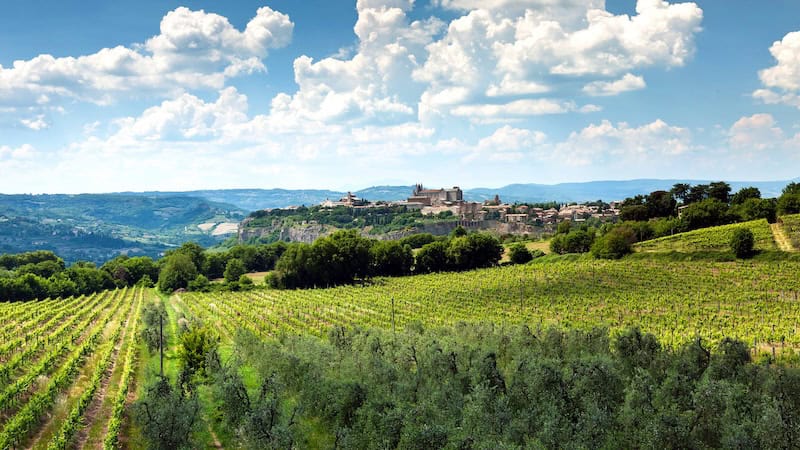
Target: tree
234,269
196,346
635,213
432,258
680,191
697,193
706,213
519,254
293,269
177,272
720,190
390,258
564,227
660,204
214,264
791,189
168,415
194,251
458,231
474,251
578,241
615,244
789,203
742,243
745,193
757,208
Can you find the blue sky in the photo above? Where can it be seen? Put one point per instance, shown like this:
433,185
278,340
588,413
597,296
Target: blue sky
100,96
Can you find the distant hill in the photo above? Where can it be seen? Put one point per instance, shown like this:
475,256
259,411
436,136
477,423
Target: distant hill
255,199
97,227
605,190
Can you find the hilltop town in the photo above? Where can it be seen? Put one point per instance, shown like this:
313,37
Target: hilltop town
434,211
443,201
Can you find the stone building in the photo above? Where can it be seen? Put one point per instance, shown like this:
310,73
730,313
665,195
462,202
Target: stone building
436,197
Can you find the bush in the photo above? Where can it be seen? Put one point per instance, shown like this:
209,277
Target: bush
742,243
167,415
519,254
574,242
615,244
199,284
234,269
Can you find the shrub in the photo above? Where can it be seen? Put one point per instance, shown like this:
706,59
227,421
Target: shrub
519,254
615,244
742,243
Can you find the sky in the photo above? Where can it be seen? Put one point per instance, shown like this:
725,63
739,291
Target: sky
99,96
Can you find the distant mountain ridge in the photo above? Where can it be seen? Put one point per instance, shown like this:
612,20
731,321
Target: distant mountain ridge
255,199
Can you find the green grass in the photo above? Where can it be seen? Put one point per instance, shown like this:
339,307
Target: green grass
714,239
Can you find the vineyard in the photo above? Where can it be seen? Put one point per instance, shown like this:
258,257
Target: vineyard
710,239
756,301
60,365
791,228
68,368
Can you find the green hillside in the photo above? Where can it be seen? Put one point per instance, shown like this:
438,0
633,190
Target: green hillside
709,239
791,228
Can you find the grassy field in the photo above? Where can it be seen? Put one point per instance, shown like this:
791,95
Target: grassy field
709,239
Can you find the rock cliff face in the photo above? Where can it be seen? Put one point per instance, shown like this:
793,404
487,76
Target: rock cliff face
308,233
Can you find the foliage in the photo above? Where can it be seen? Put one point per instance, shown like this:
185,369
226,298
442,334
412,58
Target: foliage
485,386
706,213
789,204
742,242
177,272
615,244
519,254
391,258
417,240
199,284
745,193
432,258
578,241
195,347
155,326
167,415
234,269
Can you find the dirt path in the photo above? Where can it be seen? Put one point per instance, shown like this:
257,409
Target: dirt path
780,238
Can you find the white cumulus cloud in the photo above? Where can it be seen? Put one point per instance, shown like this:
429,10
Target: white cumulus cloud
629,82
782,81
375,84
194,49
536,45
605,142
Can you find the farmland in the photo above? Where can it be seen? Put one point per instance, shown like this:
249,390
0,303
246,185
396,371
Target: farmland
70,369
710,239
